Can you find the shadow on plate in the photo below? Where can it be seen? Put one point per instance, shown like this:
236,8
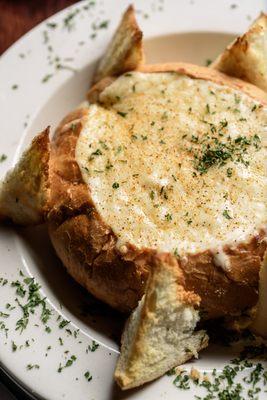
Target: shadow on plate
62,290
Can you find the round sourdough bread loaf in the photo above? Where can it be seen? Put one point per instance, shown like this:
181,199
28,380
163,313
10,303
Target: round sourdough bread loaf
169,158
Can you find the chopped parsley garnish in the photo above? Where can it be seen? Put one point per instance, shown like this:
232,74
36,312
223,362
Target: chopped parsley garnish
32,366
88,376
152,195
20,290
163,193
68,21
103,145
182,381
69,363
118,150
214,152
175,252
122,114
208,62
115,185
229,172
226,214
223,124
108,165
14,346
93,347
3,157
194,139
168,217
34,300
101,25
4,315
46,78
51,25
164,116
237,99
225,384
97,152
63,323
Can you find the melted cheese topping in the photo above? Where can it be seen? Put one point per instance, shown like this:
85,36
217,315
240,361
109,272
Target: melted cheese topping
174,163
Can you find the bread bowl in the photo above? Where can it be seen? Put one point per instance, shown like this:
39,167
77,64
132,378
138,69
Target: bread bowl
114,270
116,198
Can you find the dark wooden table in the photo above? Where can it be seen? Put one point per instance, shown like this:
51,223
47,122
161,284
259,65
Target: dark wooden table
19,16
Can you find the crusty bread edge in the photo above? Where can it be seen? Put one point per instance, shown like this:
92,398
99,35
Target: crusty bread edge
194,72
24,192
125,51
135,348
240,58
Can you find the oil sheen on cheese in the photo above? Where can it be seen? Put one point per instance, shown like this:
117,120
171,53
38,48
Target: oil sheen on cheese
174,163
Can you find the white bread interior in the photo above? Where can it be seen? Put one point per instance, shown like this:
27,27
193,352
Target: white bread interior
160,333
24,191
246,57
125,51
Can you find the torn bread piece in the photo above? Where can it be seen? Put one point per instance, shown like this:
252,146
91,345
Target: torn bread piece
246,57
125,52
24,191
160,333
259,324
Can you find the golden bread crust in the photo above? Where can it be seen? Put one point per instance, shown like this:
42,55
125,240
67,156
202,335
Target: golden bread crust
24,192
87,246
125,51
81,239
245,58
142,357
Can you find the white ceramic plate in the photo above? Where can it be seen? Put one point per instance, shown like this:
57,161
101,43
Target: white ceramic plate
42,77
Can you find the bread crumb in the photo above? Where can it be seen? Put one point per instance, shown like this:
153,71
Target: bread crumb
123,249
195,374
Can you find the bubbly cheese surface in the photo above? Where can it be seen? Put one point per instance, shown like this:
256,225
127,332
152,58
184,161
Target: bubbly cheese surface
174,163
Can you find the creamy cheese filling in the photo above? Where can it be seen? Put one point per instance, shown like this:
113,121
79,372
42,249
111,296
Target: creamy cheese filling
174,163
